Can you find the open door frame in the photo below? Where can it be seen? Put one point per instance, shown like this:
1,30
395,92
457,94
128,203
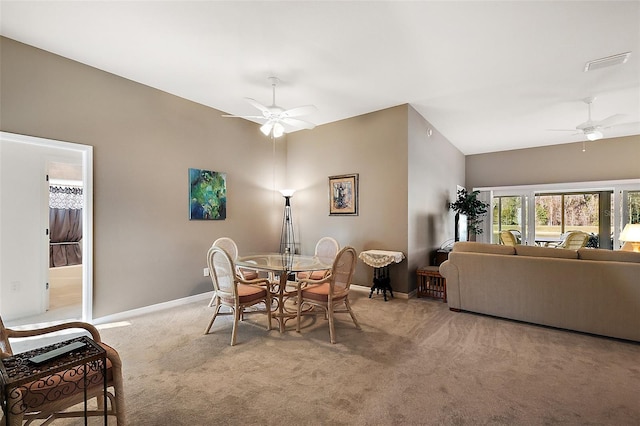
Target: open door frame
86,152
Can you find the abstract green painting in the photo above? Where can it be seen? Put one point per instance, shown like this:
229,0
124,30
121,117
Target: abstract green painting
207,195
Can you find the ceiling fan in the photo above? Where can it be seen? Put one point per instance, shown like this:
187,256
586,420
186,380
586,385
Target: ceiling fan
279,120
593,129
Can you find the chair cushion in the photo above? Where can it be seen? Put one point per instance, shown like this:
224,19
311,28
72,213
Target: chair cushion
312,275
248,274
65,383
319,293
247,294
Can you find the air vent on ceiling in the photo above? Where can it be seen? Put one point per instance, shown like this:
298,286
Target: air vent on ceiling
620,58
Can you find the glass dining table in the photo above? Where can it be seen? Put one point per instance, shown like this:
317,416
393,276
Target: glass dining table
281,268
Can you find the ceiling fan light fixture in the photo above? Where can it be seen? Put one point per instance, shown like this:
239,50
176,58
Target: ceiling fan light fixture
277,117
271,128
594,135
278,130
266,128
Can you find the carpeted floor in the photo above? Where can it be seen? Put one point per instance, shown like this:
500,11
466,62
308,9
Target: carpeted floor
413,363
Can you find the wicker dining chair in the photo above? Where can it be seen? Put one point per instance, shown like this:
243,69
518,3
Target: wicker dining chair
330,291
326,250
233,291
62,395
230,246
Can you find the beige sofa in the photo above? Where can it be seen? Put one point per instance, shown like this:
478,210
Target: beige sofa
588,290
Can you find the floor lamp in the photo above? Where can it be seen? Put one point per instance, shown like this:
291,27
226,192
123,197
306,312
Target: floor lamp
287,237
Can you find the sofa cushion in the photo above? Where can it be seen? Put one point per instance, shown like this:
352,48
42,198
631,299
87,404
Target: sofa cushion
609,255
524,250
474,247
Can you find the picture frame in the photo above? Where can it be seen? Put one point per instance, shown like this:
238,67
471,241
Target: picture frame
343,195
207,195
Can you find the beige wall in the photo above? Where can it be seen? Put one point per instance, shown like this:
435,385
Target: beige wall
436,167
146,250
374,146
406,180
606,159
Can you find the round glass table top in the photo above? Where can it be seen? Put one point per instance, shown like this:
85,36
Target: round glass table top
282,262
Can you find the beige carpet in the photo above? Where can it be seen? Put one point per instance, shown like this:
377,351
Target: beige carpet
414,362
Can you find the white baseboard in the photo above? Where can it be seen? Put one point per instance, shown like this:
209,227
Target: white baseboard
121,316
395,295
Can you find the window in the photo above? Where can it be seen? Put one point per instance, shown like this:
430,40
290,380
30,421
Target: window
633,199
507,216
547,211
557,214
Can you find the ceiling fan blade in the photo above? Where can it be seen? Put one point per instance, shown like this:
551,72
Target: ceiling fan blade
610,121
265,110
587,125
561,130
298,111
297,123
251,117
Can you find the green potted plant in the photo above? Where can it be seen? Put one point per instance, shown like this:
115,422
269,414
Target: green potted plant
467,203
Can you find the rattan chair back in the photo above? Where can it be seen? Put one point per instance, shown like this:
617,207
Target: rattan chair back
326,249
228,245
575,240
342,271
507,238
222,273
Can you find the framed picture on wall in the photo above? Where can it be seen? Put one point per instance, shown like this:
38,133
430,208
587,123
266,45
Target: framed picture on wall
207,195
343,195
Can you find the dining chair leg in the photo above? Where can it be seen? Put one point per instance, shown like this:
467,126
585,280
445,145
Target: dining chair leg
330,315
353,316
236,318
213,318
267,306
299,314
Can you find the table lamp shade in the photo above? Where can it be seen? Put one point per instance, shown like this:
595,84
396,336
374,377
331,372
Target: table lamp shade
631,234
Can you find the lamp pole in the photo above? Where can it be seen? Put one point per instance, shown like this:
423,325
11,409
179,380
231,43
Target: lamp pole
287,236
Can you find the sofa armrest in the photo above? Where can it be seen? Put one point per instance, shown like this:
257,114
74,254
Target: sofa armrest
450,273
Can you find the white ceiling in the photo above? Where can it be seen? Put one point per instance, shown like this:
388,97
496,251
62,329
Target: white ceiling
489,76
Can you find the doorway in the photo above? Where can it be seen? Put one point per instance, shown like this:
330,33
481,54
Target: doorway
24,226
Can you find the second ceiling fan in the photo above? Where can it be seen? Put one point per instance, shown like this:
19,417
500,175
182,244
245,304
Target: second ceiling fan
278,120
593,129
